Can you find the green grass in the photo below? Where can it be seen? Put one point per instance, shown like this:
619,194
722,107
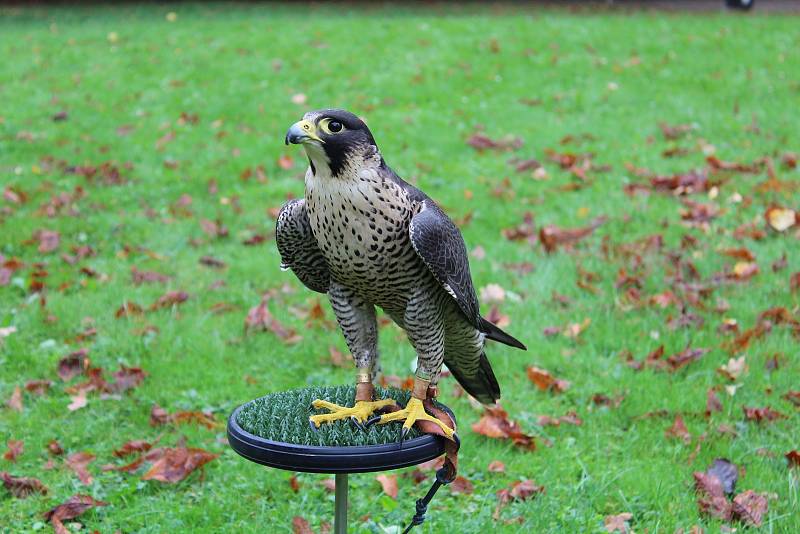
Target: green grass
283,417
425,80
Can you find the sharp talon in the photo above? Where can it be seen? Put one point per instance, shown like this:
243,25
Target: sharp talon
356,423
404,431
371,421
313,426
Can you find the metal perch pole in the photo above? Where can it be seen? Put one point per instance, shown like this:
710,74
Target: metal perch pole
340,517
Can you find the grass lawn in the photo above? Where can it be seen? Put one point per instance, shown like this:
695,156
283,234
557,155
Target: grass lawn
183,121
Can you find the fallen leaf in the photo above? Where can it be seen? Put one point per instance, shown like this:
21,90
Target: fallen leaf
495,424
481,142
132,447
73,364
294,484
492,293
552,237
545,381
760,415
78,463
750,508
15,449
212,262
169,299
678,430
158,416
49,240
517,491
780,219
21,487
496,466
285,162
15,401
141,277
300,526
260,318
38,387
55,448
618,523
735,368
72,508
793,457
389,484
128,309
461,485
172,465
299,99
78,401
713,404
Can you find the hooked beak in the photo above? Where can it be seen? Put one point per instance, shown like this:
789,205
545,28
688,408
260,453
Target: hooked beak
302,132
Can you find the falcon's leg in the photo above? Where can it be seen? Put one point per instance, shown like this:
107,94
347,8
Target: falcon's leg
356,318
424,323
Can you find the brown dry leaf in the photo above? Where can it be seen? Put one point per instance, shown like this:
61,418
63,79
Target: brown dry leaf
496,466
750,508
495,424
711,499
573,330
684,358
552,237
618,523
128,309
201,418
38,387
741,254
285,162
793,457
169,299
73,364
300,526
678,430
132,447
260,318
214,229
78,401
570,418
78,463
545,381
49,240
461,485
481,142
158,416
55,448
214,263
72,508
389,484
781,219
743,271
760,415
517,491
713,404
329,484
173,464
15,449
794,282
15,401
21,487
735,368
793,397
140,277
294,484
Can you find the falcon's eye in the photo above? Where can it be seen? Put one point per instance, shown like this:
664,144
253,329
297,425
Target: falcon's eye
331,126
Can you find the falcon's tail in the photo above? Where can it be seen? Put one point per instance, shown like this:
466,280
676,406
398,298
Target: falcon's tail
493,332
483,386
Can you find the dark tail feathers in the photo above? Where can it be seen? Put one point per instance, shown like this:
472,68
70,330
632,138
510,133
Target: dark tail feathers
483,386
492,332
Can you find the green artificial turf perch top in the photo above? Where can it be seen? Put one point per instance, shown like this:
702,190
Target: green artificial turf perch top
283,417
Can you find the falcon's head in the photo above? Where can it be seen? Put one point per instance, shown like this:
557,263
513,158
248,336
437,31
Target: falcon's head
335,140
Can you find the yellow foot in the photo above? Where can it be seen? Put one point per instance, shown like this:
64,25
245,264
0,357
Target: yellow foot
413,412
358,414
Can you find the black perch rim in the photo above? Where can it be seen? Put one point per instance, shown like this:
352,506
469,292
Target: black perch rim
315,459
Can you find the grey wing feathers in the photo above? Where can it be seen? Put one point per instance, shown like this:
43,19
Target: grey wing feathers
298,248
437,240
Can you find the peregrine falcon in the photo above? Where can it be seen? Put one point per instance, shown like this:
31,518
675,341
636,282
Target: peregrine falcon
366,238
